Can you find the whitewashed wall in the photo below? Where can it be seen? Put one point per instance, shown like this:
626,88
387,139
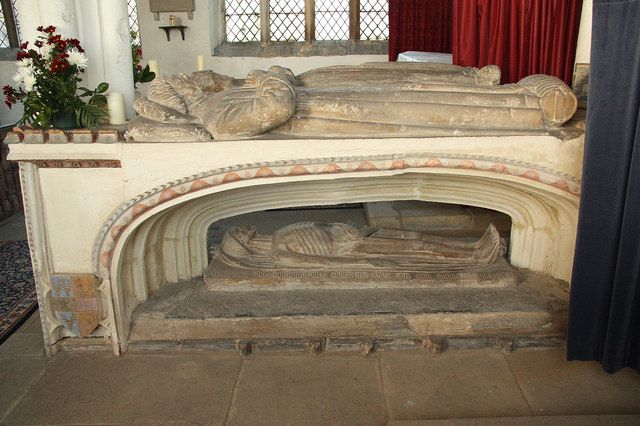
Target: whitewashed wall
180,56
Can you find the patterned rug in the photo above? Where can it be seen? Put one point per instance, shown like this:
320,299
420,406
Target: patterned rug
17,290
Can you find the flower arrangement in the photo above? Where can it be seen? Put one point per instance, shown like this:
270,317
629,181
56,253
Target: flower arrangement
140,74
47,79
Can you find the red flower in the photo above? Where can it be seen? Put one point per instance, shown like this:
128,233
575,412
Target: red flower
22,54
10,100
50,29
73,42
54,39
40,28
24,45
58,65
9,93
139,52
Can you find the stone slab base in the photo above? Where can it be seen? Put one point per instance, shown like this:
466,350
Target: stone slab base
190,314
221,277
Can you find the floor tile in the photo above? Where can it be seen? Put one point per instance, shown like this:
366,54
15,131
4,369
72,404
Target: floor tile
31,325
306,389
22,344
455,384
34,325
593,420
151,389
553,385
16,375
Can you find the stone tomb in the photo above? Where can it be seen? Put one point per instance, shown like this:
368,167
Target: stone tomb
131,216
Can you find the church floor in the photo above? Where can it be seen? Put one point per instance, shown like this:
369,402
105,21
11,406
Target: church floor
528,387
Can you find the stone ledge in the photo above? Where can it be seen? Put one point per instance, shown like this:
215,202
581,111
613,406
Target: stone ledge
58,136
8,54
303,49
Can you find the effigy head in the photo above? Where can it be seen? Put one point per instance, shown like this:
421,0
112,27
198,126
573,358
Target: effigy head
212,82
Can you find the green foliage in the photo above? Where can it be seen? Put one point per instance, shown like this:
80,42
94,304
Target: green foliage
140,74
94,112
145,75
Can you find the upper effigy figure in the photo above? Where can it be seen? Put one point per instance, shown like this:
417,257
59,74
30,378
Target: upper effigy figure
369,100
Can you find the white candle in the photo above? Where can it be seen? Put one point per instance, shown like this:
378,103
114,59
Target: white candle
200,63
115,103
153,67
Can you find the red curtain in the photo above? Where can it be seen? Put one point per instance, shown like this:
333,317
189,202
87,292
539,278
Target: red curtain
421,25
523,37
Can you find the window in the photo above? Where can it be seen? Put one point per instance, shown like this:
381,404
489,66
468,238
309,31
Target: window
331,20
374,19
242,20
134,26
9,31
286,20
344,24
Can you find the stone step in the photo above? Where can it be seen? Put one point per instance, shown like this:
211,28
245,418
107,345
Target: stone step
363,344
189,311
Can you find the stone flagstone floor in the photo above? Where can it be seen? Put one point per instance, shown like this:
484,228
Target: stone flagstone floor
306,389
398,388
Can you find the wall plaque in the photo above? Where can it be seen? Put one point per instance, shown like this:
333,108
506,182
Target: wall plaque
157,6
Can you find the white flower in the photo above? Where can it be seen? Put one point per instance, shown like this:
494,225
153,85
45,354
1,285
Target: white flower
77,58
24,63
22,73
45,51
18,77
29,81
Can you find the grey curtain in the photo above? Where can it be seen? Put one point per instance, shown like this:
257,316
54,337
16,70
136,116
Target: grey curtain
604,313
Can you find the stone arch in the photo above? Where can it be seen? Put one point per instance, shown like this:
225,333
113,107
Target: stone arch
160,236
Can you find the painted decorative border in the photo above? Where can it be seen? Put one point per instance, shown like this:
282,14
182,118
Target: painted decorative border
75,164
114,226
